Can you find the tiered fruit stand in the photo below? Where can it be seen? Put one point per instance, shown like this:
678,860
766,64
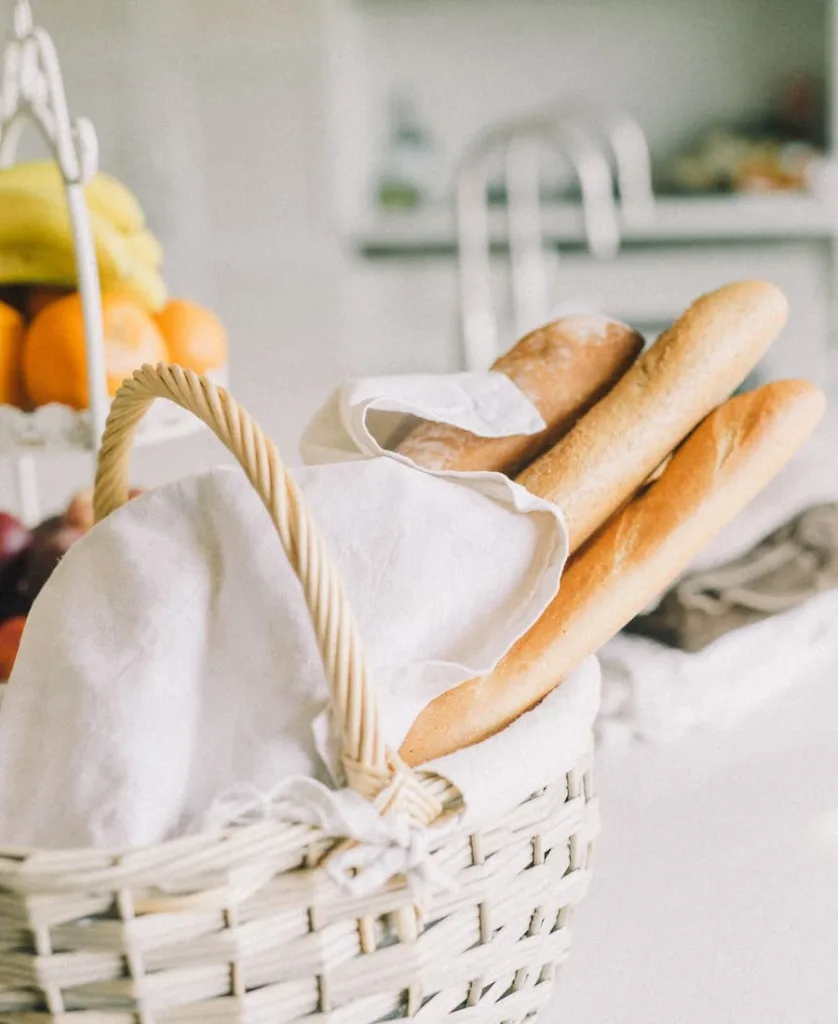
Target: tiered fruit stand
32,90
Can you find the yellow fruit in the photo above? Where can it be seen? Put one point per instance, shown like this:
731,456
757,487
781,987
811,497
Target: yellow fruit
113,200
195,337
143,283
51,268
145,248
54,363
35,221
11,349
104,194
37,247
57,269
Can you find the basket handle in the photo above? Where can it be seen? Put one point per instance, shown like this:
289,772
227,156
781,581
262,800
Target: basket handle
371,768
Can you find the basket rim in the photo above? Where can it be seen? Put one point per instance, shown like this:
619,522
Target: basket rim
34,862
276,845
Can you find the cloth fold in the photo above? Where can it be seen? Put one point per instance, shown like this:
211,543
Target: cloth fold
661,694
369,417
171,659
785,569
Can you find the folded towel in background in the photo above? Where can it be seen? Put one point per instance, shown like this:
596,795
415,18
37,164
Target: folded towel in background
785,569
657,693
654,692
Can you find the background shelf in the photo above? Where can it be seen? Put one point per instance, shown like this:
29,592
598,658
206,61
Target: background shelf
676,220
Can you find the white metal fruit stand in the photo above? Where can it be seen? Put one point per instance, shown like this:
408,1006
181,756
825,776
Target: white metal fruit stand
32,90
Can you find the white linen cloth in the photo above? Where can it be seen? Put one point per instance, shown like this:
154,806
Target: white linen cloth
168,677
657,693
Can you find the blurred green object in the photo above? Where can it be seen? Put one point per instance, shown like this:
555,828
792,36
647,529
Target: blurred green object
395,195
407,169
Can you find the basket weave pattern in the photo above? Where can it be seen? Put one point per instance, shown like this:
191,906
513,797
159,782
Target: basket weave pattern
247,926
242,931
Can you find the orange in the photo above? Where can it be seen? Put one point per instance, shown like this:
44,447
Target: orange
54,365
11,348
194,335
41,296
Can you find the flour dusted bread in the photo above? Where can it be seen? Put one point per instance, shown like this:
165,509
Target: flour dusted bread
725,462
674,384
563,368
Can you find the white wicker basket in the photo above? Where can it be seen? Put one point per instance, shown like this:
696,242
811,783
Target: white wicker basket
247,926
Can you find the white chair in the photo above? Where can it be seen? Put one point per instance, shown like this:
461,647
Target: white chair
577,132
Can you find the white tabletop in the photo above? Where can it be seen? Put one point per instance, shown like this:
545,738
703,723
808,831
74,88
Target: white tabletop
715,890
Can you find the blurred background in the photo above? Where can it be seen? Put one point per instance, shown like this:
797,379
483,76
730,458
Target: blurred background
299,159
364,187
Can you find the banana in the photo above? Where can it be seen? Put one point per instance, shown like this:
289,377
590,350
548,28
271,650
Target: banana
57,268
145,248
105,195
34,220
32,223
113,200
142,283
36,241
37,267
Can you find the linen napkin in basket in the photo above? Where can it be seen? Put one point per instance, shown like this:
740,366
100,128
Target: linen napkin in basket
171,658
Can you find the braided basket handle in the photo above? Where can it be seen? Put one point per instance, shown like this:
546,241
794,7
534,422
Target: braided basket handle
369,765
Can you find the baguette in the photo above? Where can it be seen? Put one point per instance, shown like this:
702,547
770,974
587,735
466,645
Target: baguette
726,461
674,384
563,368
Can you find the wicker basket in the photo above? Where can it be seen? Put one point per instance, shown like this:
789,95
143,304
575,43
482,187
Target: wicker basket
248,925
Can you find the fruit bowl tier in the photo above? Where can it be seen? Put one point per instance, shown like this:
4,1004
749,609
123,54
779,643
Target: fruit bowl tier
57,428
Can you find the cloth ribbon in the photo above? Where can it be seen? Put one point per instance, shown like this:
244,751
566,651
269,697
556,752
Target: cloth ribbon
380,847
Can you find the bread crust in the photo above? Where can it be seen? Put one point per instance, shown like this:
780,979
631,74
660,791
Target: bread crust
564,368
695,365
724,463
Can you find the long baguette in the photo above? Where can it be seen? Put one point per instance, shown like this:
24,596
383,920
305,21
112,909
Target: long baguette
725,462
674,384
563,368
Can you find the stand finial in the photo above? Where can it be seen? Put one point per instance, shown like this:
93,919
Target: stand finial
23,22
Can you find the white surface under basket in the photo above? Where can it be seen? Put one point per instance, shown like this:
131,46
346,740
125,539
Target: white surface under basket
249,925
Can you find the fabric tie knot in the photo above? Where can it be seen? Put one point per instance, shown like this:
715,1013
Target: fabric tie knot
376,847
